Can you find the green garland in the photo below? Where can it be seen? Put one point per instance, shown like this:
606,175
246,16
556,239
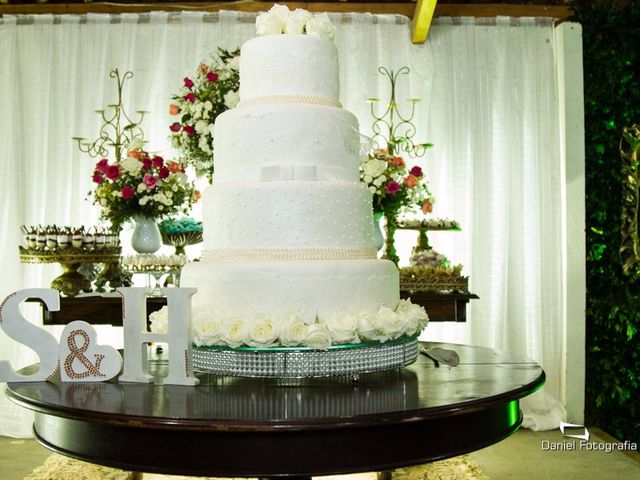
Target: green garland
612,101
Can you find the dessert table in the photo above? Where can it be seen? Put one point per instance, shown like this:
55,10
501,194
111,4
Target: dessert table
287,428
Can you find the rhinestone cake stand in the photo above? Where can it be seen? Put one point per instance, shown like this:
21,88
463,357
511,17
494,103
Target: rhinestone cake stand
304,362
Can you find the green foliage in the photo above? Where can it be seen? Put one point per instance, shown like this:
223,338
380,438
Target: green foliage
612,101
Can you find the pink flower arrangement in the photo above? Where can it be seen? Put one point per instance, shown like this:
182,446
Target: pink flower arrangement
205,95
393,185
141,184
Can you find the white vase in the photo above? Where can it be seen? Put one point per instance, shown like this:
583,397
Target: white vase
378,238
146,235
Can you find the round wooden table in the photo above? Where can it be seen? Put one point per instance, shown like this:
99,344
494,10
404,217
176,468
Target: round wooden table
283,428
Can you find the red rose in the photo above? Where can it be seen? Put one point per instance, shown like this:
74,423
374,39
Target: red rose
164,172
175,127
102,165
187,82
190,97
157,161
416,171
212,76
149,180
392,187
128,193
98,178
189,130
113,172
146,163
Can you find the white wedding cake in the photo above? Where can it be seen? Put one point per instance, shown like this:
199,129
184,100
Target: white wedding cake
288,257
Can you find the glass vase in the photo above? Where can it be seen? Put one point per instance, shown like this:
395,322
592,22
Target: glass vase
378,238
146,235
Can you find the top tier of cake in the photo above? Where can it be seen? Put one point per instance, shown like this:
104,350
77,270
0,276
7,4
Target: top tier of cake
289,65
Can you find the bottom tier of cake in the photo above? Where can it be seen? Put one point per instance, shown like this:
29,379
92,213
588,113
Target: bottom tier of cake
307,289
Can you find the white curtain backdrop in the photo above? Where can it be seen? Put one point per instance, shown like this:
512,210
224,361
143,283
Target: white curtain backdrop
489,104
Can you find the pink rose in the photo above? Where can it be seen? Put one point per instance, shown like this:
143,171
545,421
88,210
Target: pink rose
203,67
98,178
164,172
392,187
187,82
410,181
397,162
416,171
212,76
189,130
113,172
102,165
174,109
157,161
427,207
149,180
190,97
175,127
146,163
128,193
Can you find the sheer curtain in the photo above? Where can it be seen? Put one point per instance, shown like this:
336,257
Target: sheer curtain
489,106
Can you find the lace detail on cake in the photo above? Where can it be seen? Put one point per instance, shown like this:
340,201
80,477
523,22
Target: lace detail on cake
280,99
324,253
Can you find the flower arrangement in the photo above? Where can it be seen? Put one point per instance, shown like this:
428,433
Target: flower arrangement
211,327
279,19
393,184
212,90
141,184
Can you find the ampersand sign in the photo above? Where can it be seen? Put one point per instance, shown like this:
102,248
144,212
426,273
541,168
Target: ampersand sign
82,359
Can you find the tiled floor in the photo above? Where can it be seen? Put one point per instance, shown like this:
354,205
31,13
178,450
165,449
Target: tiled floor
520,456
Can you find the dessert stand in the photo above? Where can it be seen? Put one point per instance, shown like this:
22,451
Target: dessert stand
71,281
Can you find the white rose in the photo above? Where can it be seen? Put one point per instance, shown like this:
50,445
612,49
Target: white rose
203,144
416,314
392,323
369,328
231,99
343,328
201,126
317,337
373,189
374,167
320,26
268,24
208,105
160,320
234,332
378,181
144,200
141,187
207,328
136,144
281,12
263,332
293,331
116,194
234,63
296,21
131,165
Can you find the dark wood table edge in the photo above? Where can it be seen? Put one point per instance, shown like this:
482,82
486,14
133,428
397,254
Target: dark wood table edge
458,428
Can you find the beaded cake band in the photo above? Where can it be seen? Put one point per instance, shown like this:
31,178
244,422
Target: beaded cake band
327,253
287,99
